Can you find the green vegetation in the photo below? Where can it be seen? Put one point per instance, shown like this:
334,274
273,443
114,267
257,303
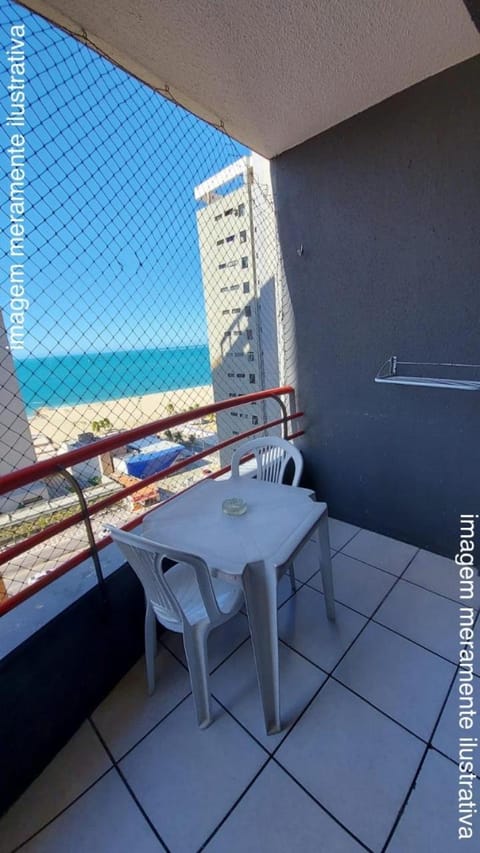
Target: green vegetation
22,530
100,426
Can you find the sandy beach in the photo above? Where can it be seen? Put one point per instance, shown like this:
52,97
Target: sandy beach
66,422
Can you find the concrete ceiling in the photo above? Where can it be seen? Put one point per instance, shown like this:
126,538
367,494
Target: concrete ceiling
273,73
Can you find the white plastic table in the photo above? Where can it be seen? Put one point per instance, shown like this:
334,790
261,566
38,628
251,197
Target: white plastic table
254,549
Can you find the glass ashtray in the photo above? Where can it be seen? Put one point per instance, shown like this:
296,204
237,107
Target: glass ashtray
234,506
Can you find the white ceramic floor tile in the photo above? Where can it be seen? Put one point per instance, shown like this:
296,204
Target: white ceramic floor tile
308,561
355,761
356,584
187,779
77,766
431,818
221,642
340,533
380,551
448,732
104,820
397,676
440,575
303,624
284,588
284,591
276,815
422,616
235,685
128,713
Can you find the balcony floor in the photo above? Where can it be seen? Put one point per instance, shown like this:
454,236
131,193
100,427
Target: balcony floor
366,760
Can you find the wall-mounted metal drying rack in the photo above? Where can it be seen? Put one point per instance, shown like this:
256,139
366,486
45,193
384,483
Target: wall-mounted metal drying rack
463,377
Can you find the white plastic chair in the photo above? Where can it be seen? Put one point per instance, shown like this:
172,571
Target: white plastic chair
186,599
272,456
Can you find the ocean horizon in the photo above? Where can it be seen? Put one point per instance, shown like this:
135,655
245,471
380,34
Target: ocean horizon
68,380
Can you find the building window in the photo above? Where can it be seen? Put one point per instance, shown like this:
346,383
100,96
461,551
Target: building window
236,310
230,238
249,335
230,375
254,420
241,210
243,236
251,356
234,414
222,266
238,332
218,217
223,289
219,242
246,287
225,311
244,263
251,378
232,263
240,376
234,431
229,211
235,287
248,311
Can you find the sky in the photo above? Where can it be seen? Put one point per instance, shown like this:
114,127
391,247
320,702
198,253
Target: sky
112,257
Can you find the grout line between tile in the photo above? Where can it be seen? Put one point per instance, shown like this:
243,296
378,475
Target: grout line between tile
242,725
415,642
234,806
320,805
368,620
405,802
429,746
371,565
359,529
130,789
56,816
400,576
155,726
387,627
435,592
449,758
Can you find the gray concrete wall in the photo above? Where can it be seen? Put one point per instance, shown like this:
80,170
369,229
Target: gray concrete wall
387,207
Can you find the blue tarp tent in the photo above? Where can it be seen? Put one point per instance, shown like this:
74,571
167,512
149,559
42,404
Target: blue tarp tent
149,456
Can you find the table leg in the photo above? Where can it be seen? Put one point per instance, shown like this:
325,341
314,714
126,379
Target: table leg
326,566
260,588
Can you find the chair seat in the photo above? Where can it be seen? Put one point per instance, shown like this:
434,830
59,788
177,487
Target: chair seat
182,581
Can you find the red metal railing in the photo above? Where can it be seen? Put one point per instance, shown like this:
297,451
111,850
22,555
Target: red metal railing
59,463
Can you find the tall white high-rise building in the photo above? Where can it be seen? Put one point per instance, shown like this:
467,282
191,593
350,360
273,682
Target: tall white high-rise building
238,250
16,445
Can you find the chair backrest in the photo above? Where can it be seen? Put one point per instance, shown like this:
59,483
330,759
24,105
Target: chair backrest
146,559
272,456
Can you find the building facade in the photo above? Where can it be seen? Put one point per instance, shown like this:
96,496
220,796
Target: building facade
16,445
239,260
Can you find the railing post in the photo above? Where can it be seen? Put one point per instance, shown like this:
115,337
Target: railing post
284,415
88,526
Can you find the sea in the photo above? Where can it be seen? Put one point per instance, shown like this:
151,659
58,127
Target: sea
66,380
